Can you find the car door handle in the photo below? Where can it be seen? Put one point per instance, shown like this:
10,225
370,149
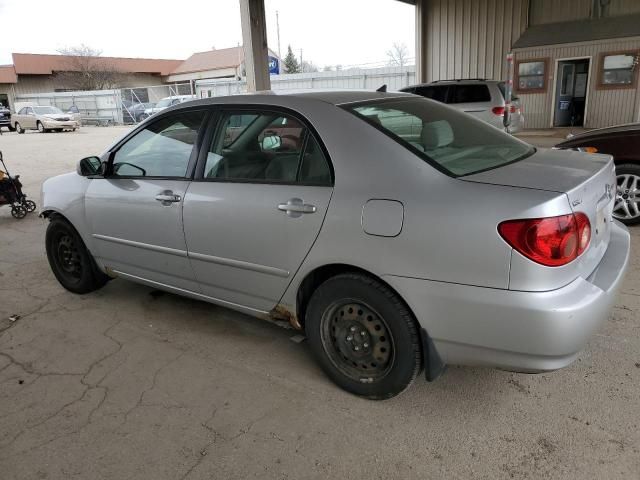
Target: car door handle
296,207
167,198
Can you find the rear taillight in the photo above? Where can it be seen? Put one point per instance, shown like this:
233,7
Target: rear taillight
553,241
499,111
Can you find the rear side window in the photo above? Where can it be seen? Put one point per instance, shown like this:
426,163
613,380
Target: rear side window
266,147
470,94
452,141
501,87
439,94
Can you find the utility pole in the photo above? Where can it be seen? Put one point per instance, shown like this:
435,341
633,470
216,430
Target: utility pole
278,30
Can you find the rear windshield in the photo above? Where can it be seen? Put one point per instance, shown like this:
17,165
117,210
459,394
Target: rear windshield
451,141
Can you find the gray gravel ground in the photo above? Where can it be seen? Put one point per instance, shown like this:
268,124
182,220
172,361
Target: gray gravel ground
122,384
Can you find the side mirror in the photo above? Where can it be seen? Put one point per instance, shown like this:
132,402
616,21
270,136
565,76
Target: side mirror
89,166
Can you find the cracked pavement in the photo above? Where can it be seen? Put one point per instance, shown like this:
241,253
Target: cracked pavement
123,384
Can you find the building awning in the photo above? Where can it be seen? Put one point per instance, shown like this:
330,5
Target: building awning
579,31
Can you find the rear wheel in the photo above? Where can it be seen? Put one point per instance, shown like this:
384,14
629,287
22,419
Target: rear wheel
363,336
19,128
70,261
40,126
627,204
29,205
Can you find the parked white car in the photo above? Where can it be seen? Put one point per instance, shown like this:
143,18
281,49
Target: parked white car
43,118
166,103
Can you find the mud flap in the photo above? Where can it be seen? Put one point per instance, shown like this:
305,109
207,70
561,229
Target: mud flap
434,367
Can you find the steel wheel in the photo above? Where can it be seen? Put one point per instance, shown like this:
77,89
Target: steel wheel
67,257
357,340
70,261
627,204
19,128
18,211
40,127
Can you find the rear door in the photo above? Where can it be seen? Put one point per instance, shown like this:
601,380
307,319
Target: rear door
256,206
474,99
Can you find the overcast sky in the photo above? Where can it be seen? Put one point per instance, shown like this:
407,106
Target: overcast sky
330,32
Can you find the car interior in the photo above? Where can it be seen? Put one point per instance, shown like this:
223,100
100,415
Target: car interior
270,148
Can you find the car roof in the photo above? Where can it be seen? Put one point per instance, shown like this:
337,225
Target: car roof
462,81
334,97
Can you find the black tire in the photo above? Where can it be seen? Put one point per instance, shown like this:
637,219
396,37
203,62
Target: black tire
631,197
11,129
29,205
18,211
40,127
19,128
70,261
389,356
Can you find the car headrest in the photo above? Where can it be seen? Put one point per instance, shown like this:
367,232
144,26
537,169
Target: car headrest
436,134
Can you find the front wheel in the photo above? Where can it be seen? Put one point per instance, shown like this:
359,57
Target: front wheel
627,204
19,128
363,336
70,261
41,128
18,211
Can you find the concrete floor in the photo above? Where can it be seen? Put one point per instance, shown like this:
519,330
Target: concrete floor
123,383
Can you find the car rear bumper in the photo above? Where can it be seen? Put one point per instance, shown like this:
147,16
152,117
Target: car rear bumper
515,330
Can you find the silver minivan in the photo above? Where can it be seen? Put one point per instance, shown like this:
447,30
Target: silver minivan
481,98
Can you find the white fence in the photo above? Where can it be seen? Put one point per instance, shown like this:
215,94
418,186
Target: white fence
102,105
361,79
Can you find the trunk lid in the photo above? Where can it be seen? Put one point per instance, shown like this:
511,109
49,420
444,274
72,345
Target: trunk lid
587,181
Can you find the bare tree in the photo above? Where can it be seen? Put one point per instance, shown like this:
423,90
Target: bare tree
308,67
85,69
398,55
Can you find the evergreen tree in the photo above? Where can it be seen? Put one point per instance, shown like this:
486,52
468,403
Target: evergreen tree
291,64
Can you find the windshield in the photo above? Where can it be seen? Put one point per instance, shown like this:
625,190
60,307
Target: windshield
46,110
452,141
165,102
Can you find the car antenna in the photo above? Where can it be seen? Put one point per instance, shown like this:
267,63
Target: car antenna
383,88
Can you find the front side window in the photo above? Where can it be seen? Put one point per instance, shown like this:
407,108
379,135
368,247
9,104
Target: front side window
23,111
162,149
531,75
619,70
450,140
266,147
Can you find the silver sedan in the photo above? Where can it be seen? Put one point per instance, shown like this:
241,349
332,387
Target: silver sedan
398,233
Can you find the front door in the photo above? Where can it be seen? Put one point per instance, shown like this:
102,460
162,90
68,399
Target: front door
135,212
29,120
256,207
571,93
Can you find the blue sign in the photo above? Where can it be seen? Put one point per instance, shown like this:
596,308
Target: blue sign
274,65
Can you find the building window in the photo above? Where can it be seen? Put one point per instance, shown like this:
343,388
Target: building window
531,75
618,69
